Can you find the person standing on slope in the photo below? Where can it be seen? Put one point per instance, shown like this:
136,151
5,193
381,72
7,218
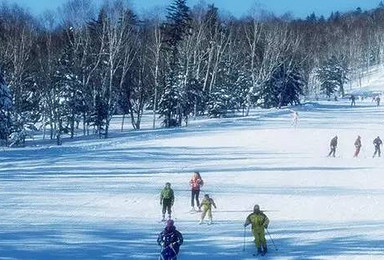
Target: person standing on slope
167,198
170,241
207,204
333,146
295,118
353,100
259,223
377,143
196,183
358,146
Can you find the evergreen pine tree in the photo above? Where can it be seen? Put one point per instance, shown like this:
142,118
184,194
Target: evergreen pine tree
332,76
284,87
178,25
5,107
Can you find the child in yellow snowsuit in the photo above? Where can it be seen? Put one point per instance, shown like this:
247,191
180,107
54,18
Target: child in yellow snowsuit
259,222
207,204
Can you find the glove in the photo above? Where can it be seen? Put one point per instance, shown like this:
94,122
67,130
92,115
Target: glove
245,225
265,226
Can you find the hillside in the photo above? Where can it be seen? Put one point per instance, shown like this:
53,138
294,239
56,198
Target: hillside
99,199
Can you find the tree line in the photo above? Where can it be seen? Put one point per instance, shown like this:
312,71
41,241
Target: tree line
78,67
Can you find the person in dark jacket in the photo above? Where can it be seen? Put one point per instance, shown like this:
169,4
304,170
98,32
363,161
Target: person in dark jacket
259,223
167,198
353,100
333,146
170,241
377,143
357,146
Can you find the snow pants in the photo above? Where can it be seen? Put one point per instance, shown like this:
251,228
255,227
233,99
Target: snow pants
205,212
167,204
333,151
357,152
169,253
195,195
260,239
377,151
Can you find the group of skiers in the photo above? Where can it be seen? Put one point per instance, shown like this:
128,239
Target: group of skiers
376,99
167,198
170,239
377,142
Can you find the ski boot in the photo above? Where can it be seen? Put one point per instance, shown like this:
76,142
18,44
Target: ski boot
259,251
265,250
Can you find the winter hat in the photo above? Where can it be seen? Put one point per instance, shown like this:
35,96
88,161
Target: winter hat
256,208
168,184
169,223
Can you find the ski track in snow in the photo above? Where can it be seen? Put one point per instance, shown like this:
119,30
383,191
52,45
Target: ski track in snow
99,199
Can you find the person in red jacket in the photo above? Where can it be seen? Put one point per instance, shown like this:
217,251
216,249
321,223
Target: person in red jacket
196,182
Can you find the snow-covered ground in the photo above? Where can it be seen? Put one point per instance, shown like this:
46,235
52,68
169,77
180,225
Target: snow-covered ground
99,199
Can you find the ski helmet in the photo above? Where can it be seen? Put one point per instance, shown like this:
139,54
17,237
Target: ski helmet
168,184
256,208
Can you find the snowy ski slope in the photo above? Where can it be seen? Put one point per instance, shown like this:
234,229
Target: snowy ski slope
99,199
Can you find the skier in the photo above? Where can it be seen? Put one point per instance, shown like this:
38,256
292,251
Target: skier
207,204
377,142
378,101
259,222
353,100
358,146
333,146
295,118
170,241
166,200
196,183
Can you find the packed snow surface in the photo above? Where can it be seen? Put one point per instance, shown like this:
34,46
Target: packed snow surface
99,199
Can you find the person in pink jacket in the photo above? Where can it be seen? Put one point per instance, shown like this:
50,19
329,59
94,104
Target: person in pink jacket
196,182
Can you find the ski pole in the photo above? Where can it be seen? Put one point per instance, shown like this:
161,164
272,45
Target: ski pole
244,240
271,240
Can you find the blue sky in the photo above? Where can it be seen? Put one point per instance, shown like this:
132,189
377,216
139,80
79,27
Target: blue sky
299,8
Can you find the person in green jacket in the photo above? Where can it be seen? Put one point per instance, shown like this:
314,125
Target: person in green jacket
167,198
207,204
259,222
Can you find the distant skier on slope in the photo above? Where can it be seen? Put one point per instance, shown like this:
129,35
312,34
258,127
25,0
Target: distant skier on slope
295,118
377,143
170,241
207,204
167,199
196,183
378,101
259,223
358,146
353,100
333,146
